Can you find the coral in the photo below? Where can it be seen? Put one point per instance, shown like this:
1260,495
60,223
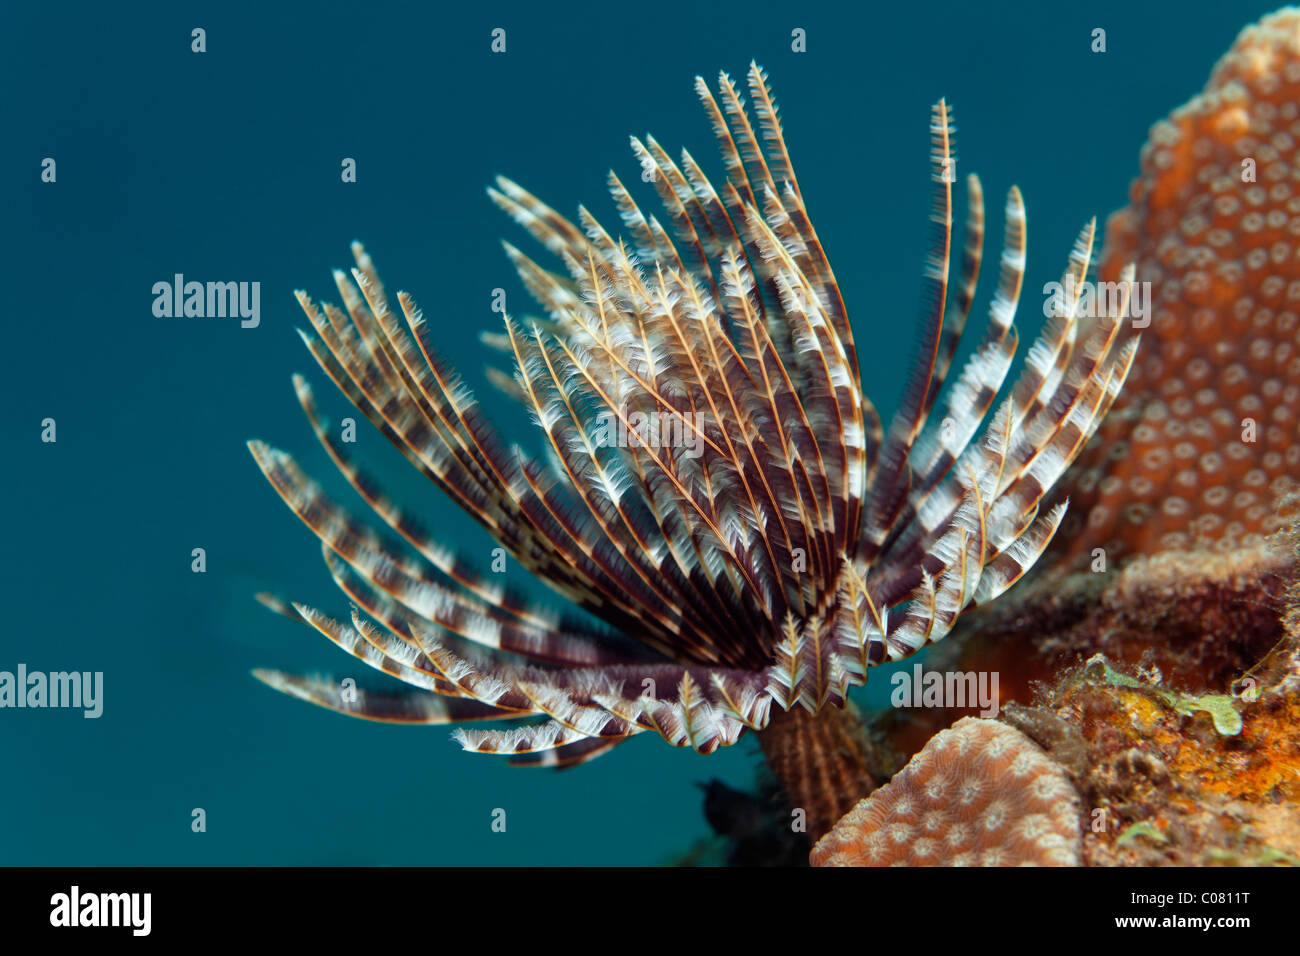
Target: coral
979,793
1202,450
1199,618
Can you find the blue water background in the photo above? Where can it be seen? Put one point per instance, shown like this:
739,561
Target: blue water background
225,166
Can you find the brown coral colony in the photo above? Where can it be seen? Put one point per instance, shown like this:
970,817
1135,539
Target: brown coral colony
1202,449
979,794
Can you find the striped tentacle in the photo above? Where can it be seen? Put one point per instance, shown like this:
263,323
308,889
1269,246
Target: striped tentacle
657,464
809,668
932,503
1012,470
696,234
740,197
831,397
692,720
477,633
571,755
684,324
817,266
765,409
382,566
861,625
352,641
800,454
429,454
596,470
492,595
437,424
972,260
1088,390
973,393
673,465
893,478
698,709
743,501
803,273
405,705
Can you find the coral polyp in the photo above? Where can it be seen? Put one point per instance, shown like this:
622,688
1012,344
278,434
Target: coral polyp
717,492
979,794
1202,452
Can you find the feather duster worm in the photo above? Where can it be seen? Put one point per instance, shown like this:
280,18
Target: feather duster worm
757,566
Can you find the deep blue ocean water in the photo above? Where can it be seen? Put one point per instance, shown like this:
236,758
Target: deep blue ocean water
225,165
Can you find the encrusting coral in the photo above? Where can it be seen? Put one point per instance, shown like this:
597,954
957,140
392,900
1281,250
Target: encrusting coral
1203,448
1156,776
978,794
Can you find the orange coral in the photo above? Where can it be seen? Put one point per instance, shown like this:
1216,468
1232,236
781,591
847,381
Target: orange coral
979,793
1214,226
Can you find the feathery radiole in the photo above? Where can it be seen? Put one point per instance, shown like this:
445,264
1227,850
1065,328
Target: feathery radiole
773,552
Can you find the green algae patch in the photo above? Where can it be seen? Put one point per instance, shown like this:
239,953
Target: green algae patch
1220,707
1137,830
